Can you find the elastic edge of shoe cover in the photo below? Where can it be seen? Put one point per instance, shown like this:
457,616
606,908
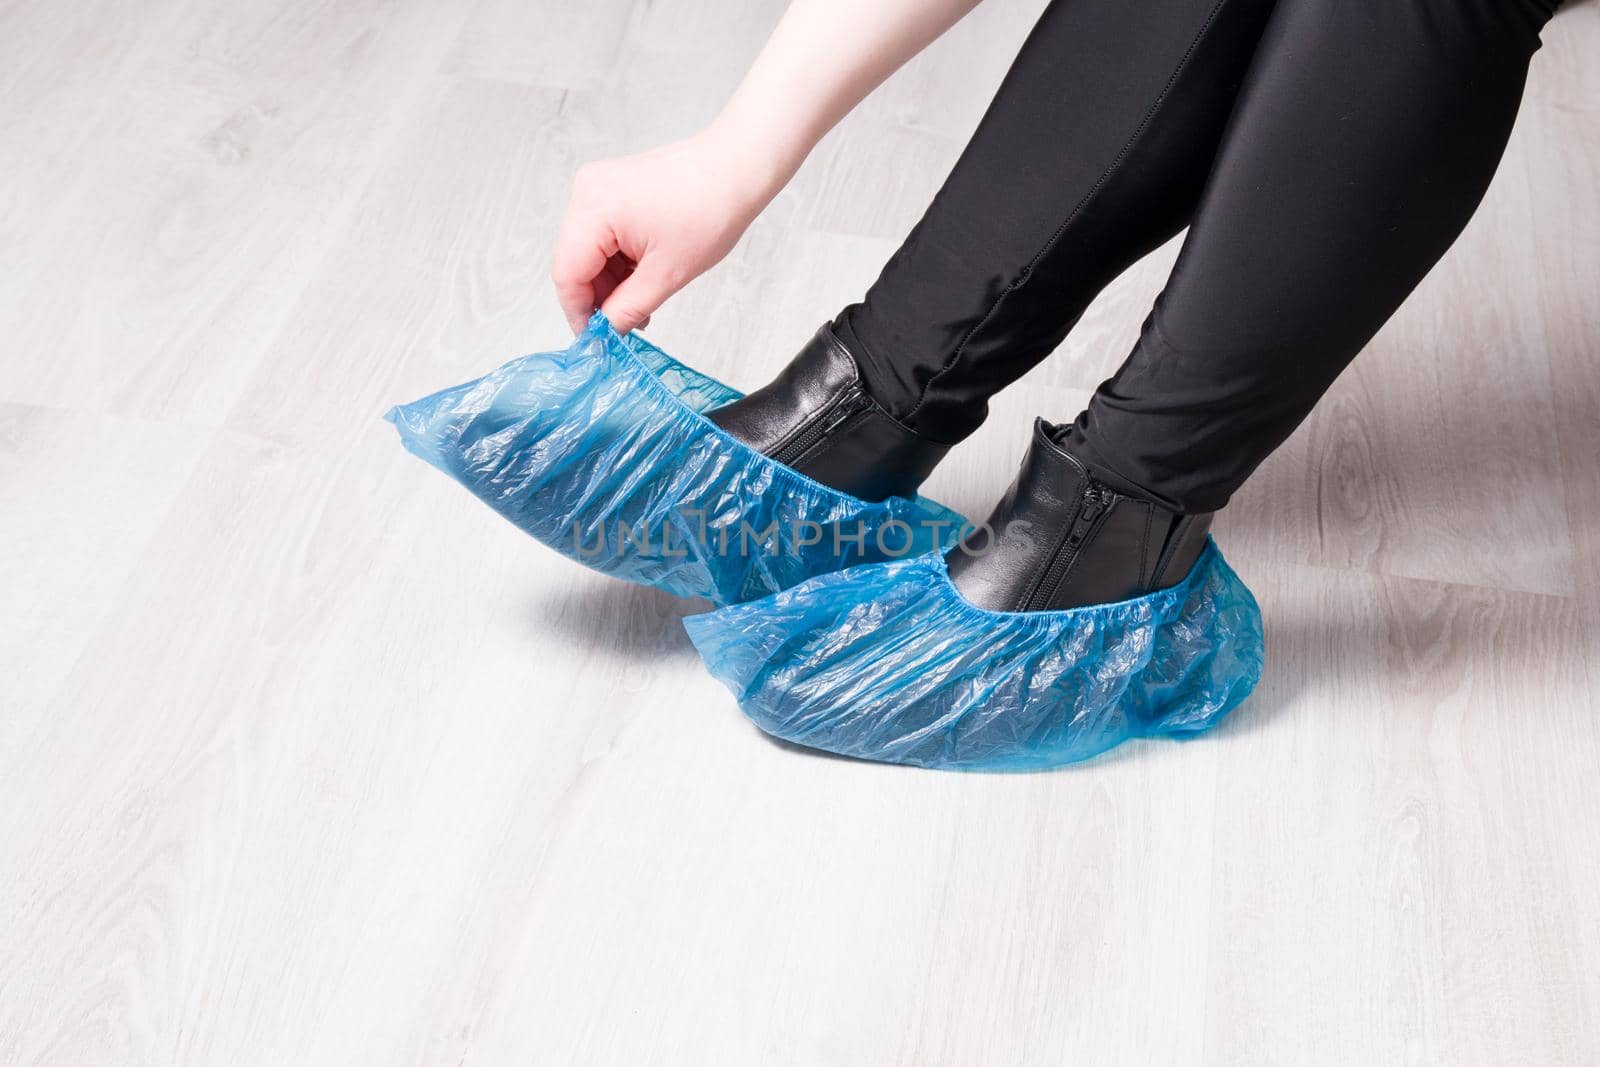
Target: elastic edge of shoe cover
615,342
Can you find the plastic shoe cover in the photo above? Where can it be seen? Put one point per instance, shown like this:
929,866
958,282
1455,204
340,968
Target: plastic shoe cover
890,662
601,452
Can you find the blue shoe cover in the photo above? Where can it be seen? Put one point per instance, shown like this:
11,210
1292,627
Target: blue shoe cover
889,662
601,452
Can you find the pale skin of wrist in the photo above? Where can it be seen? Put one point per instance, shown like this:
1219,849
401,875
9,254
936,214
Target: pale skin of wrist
760,160
823,58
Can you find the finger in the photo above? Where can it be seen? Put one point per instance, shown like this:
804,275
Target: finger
640,294
580,255
618,267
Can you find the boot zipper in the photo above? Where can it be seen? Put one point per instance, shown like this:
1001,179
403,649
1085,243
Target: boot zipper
850,403
1092,509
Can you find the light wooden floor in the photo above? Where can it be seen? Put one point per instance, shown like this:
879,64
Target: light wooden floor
307,758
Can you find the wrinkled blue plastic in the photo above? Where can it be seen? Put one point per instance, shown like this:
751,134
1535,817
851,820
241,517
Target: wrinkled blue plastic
889,662
601,451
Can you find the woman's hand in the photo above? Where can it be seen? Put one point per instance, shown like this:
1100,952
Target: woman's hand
642,227
639,228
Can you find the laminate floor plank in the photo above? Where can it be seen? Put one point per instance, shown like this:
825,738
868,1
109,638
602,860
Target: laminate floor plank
180,227
307,757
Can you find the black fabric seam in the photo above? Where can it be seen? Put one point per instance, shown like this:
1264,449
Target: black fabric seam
1027,270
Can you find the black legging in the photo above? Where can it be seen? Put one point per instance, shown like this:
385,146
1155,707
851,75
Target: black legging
1324,153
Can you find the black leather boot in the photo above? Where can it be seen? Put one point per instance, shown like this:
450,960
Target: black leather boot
816,417
1082,542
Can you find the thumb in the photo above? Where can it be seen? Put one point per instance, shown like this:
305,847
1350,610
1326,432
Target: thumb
639,295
